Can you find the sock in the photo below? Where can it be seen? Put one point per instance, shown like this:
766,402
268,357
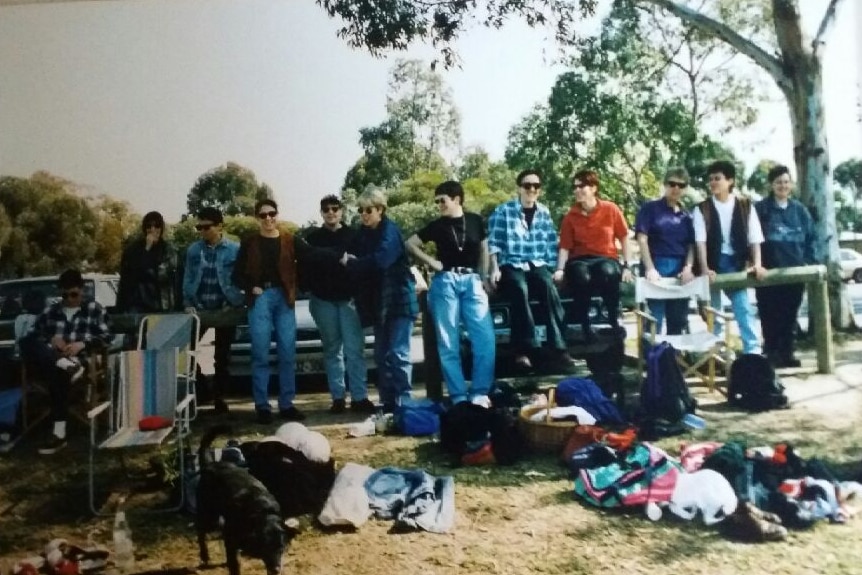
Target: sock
60,429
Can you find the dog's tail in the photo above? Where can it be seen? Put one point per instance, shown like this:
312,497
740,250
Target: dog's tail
204,456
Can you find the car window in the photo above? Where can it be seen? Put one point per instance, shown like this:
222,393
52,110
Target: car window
14,293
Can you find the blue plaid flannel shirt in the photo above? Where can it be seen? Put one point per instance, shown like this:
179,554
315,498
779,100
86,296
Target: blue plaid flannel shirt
517,245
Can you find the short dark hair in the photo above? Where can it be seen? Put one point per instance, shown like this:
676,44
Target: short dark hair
450,188
528,172
211,214
265,202
153,218
723,167
588,177
330,200
70,278
776,172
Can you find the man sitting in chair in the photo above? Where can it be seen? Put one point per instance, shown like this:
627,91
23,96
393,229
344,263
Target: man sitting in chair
59,345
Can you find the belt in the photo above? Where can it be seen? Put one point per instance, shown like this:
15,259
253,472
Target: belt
460,270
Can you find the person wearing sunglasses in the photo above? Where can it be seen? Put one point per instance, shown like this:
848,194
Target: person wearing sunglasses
788,233
457,295
665,234
148,270
727,237
59,345
334,311
588,263
208,285
266,271
385,293
522,244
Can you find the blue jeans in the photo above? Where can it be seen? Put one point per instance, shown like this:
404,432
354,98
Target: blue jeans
392,356
741,308
271,314
343,344
676,310
453,299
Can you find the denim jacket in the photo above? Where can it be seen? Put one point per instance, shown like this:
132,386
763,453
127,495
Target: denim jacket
226,252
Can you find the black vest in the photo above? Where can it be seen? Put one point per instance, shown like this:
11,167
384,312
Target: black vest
738,232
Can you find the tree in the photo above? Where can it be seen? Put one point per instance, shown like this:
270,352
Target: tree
758,181
231,188
116,221
848,174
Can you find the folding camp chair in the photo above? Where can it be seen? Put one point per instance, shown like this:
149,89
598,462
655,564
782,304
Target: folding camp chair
144,410
698,350
180,331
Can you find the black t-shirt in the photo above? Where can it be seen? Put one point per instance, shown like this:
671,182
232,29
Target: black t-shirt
270,253
529,214
328,279
458,240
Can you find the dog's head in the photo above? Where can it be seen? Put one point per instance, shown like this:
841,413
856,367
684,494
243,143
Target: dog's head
267,542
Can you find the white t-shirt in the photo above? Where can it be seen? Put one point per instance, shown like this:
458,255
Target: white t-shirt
725,218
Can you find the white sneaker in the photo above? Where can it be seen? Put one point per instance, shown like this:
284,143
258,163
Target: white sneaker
72,366
482,400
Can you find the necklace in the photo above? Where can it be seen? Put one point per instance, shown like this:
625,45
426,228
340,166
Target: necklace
459,245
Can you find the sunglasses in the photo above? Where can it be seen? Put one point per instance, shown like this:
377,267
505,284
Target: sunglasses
367,210
265,215
330,209
72,293
151,226
203,227
578,186
531,186
680,185
439,200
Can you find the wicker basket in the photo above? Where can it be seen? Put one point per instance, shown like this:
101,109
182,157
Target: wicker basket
548,435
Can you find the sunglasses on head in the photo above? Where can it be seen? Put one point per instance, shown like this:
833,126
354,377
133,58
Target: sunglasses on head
366,210
531,186
265,215
203,227
330,209
680,185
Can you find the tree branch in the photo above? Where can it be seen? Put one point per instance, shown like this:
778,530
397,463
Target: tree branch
723,32
825,24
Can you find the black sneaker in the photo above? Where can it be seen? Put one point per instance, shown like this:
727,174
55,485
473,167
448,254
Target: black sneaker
220,407
52,446
363,406
264,416
338,406
291,414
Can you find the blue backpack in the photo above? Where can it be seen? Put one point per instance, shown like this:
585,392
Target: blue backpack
665,398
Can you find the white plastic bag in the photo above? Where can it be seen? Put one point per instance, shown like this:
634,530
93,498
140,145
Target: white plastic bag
347,503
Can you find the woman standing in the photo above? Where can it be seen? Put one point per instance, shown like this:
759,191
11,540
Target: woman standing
148,270
385,296
665,234
789,239
587,258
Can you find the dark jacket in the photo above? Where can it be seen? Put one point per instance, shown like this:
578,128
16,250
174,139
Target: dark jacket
148,278
738,232
247,272
788,234
381,276
328,280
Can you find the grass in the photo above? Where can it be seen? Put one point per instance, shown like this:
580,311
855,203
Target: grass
519,519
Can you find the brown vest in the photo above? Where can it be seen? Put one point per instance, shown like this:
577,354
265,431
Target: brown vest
286,266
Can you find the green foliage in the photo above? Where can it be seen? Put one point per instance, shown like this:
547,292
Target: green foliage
848,174
393,25
116,221
758,181
231,188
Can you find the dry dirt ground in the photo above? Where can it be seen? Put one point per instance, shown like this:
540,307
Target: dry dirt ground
515,520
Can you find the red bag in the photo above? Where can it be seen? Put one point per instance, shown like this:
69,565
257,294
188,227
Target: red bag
154,422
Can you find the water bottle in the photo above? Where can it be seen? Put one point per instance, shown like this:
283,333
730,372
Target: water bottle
124,549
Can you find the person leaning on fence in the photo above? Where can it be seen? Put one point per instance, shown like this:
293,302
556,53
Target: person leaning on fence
457,294
522,243
385,293
266,272
148,270
728,236
59,346
334,311
665,234
788,233
588,259
208,286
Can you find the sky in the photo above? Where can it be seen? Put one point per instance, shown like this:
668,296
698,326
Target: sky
138,98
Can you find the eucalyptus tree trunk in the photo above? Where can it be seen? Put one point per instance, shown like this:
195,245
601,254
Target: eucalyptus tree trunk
797,71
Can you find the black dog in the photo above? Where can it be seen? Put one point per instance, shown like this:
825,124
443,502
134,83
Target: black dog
300,486
251,515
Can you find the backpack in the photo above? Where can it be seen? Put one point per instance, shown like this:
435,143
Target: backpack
664,399
754,385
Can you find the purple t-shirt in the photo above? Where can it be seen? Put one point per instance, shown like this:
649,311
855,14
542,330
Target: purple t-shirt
669,233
